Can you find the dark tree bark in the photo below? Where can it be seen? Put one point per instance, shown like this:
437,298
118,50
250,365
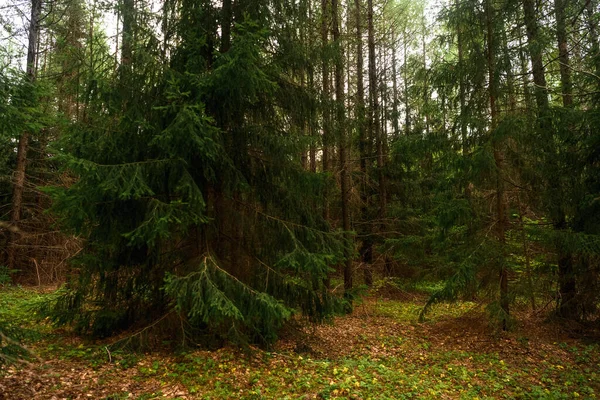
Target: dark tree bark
462,96
325,97
395,112
127,34
407,119
366,249
566,277
226,19
501,222
374,123
23,146
563,53
535,52
425,79
341,136
526,82
591,5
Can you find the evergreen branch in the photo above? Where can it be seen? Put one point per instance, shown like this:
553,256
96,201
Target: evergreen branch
279,220
459,281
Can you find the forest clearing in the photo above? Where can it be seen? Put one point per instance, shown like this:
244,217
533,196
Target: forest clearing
380,351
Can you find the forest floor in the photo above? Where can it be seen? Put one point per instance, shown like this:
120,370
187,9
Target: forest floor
380,351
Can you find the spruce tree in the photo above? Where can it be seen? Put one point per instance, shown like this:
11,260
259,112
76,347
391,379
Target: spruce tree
192,199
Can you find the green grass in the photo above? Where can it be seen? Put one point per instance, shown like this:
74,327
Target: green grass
18,323
403,311
19,305
385,364
445,374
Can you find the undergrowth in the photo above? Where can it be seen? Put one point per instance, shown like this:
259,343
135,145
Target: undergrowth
402,362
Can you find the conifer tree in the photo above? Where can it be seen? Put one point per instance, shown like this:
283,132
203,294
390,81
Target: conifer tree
193,200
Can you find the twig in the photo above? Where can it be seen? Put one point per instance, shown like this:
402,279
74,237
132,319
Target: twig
37,270
109,356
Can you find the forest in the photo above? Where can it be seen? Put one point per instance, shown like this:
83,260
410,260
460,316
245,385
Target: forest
269,199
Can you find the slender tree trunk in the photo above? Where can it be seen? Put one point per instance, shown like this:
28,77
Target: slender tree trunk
444,117
226,19
92,67
166,17
510,77
313,148
395,122
526,253
311,85
498,158
127,34
305,111
513,109
117,37
406,94
592,23
425,79
23,146
535,52
526,82
341,135
374,110
325,98
563,53
384,96
566,277
462,95
366,249
304,120
568,306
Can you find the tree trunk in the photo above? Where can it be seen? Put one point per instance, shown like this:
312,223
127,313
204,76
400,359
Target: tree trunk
226,19
563,53
525,74
526,253
593,29
406,96
462,95
498,158
425,83
395,116
127,34
325,98
165,29
566,278
535,52
374,111
366,248
341,135
23,146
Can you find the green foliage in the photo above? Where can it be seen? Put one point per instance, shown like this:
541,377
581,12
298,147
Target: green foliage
192,200
212,297
18,323
20,112
5,275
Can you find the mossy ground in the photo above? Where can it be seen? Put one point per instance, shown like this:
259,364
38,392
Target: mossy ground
381,351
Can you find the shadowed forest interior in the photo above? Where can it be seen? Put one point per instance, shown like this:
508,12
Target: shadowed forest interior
246,174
